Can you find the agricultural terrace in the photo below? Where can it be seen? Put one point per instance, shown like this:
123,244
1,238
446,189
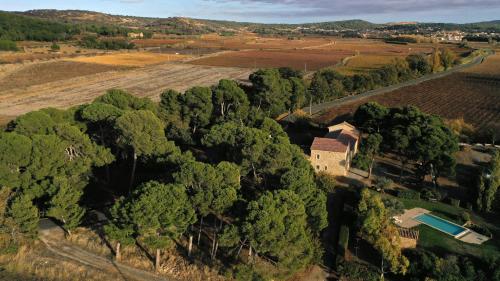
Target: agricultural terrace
472,94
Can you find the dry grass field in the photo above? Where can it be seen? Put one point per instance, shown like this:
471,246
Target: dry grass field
135,59
46,72
30,51
148,81
35,262
472,94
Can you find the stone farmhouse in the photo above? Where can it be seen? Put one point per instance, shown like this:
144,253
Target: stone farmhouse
333,153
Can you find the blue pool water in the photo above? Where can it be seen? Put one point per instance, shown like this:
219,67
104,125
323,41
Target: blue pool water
440,224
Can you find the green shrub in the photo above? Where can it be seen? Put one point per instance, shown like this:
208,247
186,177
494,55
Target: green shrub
455,202
9,248
343,240
481,230
465,216
326,182
383,183
55,47
243,272
361,161
469,206
94,43
358,271
8,45
408,194
430,194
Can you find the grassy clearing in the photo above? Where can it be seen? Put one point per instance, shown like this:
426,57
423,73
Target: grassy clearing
438,242
136,59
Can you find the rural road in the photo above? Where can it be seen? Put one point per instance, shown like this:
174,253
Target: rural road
318,108
53,238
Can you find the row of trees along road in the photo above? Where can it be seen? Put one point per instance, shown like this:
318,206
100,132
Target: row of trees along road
328,84
207,165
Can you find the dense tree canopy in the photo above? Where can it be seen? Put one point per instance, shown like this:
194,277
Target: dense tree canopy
413,135
488,183
276,225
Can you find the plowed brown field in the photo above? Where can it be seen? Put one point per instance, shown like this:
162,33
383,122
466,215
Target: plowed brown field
298,59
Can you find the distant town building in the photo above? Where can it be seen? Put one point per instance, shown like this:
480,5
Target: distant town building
135,35
333,153
450,36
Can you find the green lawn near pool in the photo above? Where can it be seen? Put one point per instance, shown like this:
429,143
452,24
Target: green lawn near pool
439,242
442,243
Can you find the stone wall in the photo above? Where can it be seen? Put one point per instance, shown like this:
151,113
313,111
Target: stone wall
332,163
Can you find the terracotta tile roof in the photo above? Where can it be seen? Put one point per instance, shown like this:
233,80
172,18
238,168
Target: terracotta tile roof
347,137
328,144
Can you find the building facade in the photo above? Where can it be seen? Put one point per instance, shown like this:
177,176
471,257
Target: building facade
333,153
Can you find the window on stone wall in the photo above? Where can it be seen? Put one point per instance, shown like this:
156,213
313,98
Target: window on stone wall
317,156
326,168
317,167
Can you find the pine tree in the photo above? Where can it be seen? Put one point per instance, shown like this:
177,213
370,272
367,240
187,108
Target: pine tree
25,215
64,205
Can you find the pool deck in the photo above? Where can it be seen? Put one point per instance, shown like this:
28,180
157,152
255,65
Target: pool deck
407,220
473,237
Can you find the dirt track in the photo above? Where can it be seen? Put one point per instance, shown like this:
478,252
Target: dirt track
53,238
144,82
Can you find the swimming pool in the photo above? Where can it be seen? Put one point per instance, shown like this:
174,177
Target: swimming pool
440,224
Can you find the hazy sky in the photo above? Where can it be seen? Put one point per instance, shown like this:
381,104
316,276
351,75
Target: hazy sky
282,11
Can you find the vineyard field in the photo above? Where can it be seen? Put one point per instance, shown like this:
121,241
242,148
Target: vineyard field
472,94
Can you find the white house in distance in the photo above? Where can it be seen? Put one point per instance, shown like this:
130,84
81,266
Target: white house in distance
135,35
333,153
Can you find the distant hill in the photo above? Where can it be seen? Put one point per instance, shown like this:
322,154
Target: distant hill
18,27
345,24
74,21
89,17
